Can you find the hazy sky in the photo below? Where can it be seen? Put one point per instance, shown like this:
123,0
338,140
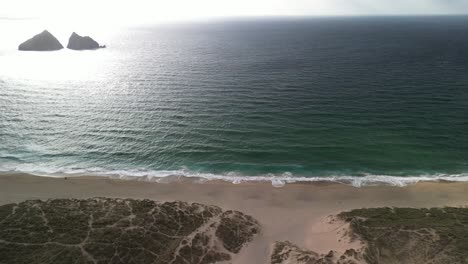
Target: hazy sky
157,10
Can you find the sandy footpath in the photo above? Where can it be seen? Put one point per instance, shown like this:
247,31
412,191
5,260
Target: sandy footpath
296,212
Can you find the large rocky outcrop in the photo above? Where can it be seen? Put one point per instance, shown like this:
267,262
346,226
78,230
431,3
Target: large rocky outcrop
120,231
77,42
44,41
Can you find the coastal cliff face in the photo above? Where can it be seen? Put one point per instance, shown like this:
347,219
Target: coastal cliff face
44,41
120,231
77,42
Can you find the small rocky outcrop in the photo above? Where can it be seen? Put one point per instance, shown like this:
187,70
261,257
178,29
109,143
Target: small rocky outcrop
44,41
77,42
286,252
120,231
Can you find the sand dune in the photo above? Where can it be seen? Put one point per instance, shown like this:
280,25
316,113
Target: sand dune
299,213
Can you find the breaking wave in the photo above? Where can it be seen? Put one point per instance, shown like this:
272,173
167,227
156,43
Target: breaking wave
277,180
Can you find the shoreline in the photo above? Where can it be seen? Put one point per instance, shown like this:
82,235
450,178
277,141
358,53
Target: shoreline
274,180
117,186
297,212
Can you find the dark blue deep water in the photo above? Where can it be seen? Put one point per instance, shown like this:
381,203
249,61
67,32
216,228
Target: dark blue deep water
357,98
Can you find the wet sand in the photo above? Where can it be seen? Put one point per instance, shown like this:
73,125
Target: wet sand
297,212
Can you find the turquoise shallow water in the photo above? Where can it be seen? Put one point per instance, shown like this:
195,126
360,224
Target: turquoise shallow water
361,99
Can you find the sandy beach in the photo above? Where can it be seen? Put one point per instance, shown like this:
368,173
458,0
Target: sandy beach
296,212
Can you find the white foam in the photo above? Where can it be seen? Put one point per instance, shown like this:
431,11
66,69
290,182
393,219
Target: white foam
277,183
276,180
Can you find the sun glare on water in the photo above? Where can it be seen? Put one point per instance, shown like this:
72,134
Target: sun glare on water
22,19
118,12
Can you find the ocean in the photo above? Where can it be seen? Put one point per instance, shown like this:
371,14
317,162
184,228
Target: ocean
361,100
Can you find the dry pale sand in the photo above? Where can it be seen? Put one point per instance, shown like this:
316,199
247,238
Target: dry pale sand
296,212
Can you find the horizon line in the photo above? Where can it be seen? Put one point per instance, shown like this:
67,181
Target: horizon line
286,16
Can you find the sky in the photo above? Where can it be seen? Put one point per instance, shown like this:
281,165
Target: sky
140,11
